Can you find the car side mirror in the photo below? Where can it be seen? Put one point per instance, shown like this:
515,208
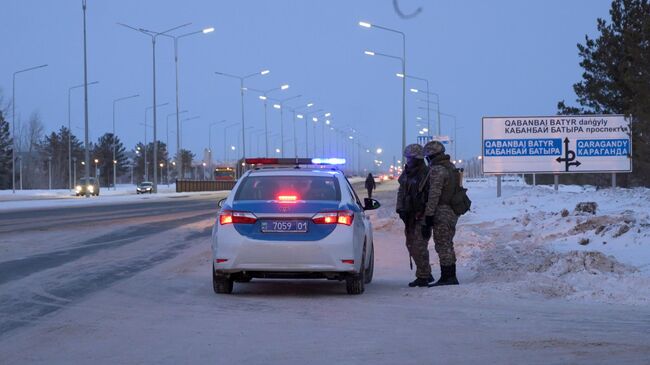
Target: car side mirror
220,203
370,204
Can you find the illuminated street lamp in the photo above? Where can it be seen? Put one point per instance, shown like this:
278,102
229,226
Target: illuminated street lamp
241,90
154,35
364,24
178,123
264,97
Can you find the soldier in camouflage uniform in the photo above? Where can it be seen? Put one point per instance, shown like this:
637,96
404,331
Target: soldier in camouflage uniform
439,215
411,209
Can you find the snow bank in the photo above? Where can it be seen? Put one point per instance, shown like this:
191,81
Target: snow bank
532,241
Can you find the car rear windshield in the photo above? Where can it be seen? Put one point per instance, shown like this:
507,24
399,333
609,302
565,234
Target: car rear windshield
300,187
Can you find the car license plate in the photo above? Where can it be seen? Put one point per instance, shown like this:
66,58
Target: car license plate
284,226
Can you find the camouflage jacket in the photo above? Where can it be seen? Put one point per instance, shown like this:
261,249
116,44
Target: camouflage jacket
438,180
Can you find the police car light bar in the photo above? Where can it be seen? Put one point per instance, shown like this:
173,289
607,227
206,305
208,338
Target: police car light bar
328,161
295,161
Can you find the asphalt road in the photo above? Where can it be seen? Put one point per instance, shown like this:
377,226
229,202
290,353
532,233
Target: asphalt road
59,258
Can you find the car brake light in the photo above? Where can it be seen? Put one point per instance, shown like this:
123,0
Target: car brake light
287,198
338,217
350,262
220,261
229,217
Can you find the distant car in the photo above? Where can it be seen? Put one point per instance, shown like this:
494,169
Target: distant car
91,187
144,187
297,223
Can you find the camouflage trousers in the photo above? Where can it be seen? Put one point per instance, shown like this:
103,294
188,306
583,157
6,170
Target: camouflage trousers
417,247
444,229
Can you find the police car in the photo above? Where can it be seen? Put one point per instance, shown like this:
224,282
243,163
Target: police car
293,219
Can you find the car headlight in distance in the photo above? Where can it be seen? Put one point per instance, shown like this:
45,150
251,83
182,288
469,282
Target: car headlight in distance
78,187
91,188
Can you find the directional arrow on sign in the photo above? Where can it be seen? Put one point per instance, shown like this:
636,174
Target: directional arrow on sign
569,157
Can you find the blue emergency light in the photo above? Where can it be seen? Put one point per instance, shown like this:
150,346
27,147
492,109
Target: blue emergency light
328,161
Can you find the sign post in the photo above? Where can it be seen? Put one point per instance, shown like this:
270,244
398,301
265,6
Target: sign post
557,145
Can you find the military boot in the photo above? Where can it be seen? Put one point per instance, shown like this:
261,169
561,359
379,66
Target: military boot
447,276
421,282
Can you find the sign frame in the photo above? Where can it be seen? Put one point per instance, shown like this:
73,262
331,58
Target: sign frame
626,118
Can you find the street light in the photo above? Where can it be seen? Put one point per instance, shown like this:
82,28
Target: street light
153,35
96,177
225,140
280,106
264,97
427,92
403,58
241,90
70,133
114,164
13,126
178,123
293,111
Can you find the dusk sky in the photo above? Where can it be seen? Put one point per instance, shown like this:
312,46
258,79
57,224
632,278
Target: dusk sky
484,58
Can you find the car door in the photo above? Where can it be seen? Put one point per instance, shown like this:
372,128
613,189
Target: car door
366,233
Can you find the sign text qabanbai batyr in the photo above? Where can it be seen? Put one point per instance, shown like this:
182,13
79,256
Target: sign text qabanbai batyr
557,144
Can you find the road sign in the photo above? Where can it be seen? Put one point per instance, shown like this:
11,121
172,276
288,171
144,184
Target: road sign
557,144
422,140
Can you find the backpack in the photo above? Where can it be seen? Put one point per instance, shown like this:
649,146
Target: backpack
454,194
416,194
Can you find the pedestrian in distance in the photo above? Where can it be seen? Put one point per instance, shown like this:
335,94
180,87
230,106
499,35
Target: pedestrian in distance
370,185
411,206
440,219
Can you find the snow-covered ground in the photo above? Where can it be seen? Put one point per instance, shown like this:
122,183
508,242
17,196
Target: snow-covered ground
529,294
532,242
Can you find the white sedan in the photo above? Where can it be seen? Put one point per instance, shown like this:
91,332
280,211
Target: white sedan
301,223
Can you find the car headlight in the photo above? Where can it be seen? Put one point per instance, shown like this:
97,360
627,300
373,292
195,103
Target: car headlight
91,188
78,187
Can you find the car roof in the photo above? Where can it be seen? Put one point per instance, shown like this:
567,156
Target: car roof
280,171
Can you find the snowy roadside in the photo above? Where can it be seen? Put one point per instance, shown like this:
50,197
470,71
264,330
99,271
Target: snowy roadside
104,199
532,242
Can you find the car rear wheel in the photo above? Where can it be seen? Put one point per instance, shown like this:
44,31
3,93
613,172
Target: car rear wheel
221,284
371,266
355,283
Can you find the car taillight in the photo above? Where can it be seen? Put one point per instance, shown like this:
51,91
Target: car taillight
337,217
229,217
287,198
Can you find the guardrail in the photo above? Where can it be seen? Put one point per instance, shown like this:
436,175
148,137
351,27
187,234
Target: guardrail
183,186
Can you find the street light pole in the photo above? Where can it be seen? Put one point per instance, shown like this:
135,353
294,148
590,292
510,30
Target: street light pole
13,126
368,25
146,163
241,90
87,146
114,147
176,38
153,36
280,106
264,97
70,133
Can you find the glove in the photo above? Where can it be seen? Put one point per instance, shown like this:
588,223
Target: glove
428,221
